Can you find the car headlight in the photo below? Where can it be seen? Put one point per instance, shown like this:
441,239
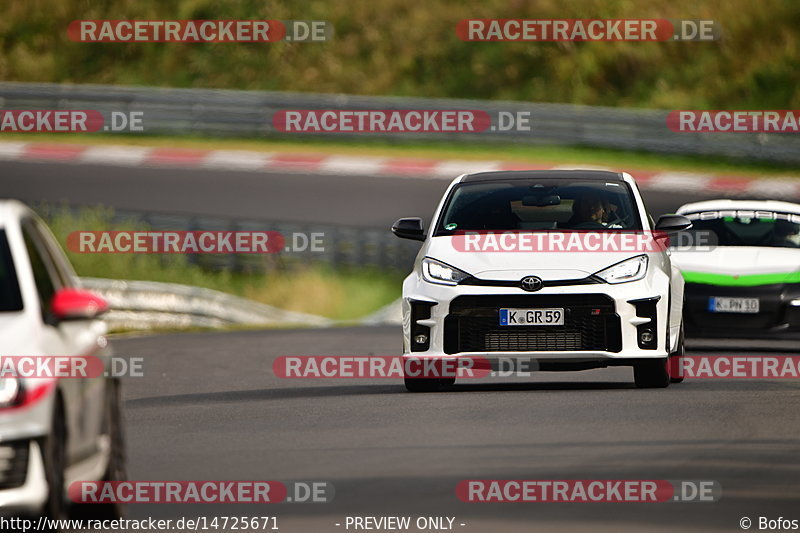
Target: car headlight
632,269
434,271
9,391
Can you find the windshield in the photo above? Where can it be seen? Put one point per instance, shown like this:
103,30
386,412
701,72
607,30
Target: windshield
539,205
747,228
10,298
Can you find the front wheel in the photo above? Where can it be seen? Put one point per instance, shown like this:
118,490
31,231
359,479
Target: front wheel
651,374
422,384
54,455
113,427
428,384
117,468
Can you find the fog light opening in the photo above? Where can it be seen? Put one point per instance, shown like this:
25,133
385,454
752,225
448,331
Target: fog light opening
421,339
646,336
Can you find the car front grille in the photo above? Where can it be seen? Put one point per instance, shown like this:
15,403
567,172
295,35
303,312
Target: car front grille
532,341
698,316
590,323
13,464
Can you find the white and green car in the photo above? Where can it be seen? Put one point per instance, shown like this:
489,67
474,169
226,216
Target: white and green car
741,264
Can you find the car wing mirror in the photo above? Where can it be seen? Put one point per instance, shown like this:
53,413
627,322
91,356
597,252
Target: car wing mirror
673,223
77,304
409,228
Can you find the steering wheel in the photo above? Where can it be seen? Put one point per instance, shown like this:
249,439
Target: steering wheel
588,225
622,221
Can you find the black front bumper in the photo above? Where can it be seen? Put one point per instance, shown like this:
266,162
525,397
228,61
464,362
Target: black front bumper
776,319
591,323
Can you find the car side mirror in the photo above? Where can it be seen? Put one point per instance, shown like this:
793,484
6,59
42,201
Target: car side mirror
673,223
409,228
77,304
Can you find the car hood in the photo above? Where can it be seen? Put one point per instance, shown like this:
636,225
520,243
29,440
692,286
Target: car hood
739,265
516,265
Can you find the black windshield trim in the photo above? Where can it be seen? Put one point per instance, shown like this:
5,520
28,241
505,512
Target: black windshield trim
503,175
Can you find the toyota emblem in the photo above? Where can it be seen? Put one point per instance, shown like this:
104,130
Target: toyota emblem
531,283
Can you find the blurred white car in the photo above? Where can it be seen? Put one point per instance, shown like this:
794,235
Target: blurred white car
52,431
565,310
741,264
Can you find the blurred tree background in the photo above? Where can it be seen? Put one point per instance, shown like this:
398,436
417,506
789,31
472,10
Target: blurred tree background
410,48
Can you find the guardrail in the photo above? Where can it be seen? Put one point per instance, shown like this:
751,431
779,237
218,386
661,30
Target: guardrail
344,246
249,114
136,305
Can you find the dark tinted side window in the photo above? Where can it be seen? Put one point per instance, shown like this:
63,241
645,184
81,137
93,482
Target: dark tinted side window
10,296
45,285
52,253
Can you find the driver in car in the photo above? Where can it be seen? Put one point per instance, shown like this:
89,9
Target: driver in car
786,235
589,210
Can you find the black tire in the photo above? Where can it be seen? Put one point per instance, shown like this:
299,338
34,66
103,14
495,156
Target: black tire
113,426
422,384
54,448
117,462
678,354
651,374
428,384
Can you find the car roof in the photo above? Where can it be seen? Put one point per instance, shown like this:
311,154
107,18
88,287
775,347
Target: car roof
501,175
743,205
11,210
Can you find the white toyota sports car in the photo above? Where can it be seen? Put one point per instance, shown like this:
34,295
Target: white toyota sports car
565,308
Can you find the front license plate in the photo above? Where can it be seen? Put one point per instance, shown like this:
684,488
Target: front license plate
553,316
719,304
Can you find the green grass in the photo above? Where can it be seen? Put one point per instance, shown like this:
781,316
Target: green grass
397,47
340,294
555,155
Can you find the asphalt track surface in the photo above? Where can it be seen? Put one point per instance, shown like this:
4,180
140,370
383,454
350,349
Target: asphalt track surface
366,201
210,408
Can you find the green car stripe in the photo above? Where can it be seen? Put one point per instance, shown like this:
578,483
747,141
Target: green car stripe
745,280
